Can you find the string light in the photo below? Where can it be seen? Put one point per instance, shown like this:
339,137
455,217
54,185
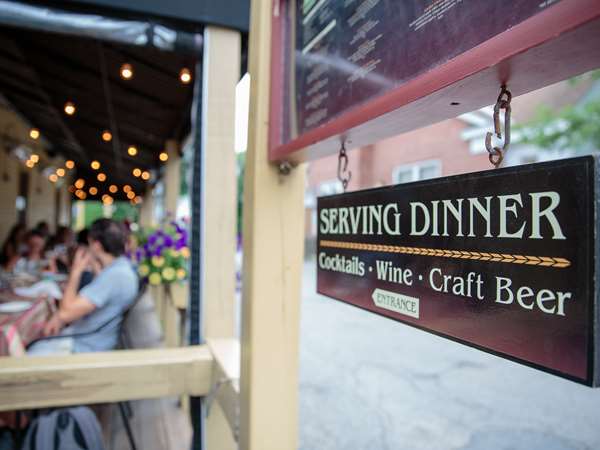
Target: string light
137,200
69,164
34,158
107,200
131,195
29,163
126,71
95,165
136,172
145,175
163,156
106,136
53,177
80,183
34,133
60,172
93,190
126,188
113,189
185,75
70,108
132,150
101,177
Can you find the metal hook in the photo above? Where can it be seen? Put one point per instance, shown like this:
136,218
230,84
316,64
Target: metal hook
496,154
343,174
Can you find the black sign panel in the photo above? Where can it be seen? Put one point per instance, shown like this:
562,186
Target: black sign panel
501,260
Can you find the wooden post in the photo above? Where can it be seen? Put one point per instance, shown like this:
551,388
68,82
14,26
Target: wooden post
221,72
172,179
273,250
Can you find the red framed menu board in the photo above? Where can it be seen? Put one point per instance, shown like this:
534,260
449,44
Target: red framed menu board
363,70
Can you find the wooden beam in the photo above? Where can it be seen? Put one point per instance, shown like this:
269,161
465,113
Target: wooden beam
226,380
39,382
221,70
273,250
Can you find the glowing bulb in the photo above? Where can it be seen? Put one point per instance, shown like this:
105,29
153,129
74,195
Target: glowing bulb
137,199
34,158
60,172
136,172
53,177
101,177
126,188
113,189
70,108
163,156
29,163
145,175
93,190
79,184
69,164
34,133
83,195
107,200
185,75
106,136
95,165
132,150
126,72
130,195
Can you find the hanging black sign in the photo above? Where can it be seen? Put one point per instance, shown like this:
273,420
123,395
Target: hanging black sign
501,260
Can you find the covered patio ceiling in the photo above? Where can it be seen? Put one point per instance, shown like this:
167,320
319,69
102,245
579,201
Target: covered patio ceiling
41,72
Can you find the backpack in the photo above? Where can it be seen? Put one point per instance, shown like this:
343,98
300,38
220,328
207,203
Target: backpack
65,429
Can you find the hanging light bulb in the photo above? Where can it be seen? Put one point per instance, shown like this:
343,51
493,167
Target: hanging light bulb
70,108
132,150
145,175
60,172
69,164
113,189
163,156
126,71
29,163
53,177
101,177
93,190
34,158
80,183
136,172
126,188
34,133
131,195
95,165
185,75
106,136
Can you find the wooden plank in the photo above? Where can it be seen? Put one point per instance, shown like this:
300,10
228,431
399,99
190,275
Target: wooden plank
273,250
222,53
221,71
226,379
37,382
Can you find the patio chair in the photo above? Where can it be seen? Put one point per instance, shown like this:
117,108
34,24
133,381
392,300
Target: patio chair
125,409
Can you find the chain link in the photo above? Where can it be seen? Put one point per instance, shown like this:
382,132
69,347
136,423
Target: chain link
496,154
343,174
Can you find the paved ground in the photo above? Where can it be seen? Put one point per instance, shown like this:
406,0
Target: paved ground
370,383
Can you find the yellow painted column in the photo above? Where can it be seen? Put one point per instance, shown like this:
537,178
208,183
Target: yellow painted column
273,254
221,73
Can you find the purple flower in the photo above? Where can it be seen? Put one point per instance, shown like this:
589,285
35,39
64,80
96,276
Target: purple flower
152,239
138,254
159,250
168,241
179,244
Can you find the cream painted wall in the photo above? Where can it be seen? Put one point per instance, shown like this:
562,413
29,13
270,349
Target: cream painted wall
41,201
9,181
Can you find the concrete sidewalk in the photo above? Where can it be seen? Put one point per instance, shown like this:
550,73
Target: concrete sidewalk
367,382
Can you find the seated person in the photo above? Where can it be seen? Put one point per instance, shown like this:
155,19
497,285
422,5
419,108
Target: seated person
34,259
110,293
13,246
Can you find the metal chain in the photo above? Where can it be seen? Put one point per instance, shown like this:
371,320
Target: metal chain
496,154
343,174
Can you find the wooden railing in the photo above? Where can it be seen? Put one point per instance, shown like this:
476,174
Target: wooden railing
50,381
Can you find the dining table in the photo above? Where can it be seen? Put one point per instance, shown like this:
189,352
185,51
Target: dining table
21,327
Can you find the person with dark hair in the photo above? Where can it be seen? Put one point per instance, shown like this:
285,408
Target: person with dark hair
13,245
43,229
102,301
34,259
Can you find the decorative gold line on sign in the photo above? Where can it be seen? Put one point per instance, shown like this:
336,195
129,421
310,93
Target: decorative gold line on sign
544,261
